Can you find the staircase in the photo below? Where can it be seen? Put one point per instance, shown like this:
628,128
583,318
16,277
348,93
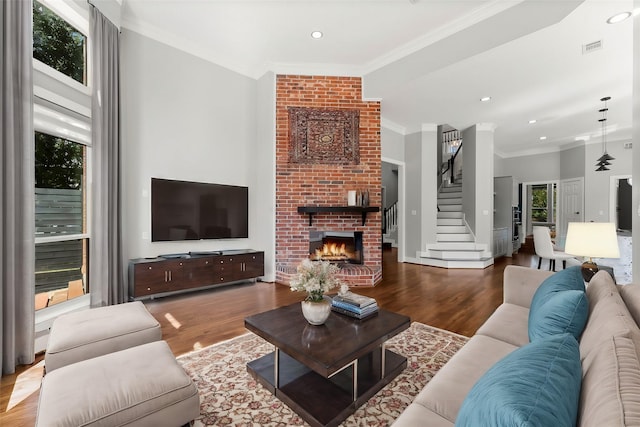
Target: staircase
390,227
456,246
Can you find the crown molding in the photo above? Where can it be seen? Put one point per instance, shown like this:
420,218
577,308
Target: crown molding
527,152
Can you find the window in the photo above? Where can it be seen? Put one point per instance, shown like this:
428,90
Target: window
539,211
543,203
62,124
58,44
60,215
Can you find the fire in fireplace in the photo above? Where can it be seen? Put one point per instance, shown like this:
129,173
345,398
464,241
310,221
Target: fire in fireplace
336,246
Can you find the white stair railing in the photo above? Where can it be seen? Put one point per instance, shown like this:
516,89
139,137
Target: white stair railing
390,219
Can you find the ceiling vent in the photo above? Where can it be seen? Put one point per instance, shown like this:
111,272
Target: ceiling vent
591,47
628,145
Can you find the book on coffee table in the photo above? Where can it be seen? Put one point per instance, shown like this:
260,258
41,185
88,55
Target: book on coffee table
354,305
355,299
353,308
354,314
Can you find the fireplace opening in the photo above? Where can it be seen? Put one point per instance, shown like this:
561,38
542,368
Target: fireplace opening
339,247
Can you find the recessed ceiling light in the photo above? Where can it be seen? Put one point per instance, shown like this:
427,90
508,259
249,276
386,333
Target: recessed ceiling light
317,34
542,138
532,121
485,99
618,17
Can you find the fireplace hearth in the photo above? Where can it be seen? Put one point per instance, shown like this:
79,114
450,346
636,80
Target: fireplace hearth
339,247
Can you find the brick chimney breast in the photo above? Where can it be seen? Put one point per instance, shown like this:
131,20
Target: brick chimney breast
327,143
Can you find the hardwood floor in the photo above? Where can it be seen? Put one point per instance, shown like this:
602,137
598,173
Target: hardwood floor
456,300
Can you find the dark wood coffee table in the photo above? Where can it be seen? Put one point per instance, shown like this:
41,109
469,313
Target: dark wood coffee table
324,373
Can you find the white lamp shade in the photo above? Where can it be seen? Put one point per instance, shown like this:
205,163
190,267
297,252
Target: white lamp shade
592,239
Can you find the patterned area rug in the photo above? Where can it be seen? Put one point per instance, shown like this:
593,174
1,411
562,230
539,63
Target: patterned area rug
229,396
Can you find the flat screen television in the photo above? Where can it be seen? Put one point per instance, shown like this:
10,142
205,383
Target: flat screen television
184,210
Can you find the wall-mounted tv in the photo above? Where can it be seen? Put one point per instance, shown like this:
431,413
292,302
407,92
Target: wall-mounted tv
183,210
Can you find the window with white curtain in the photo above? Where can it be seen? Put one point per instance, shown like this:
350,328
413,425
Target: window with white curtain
62,124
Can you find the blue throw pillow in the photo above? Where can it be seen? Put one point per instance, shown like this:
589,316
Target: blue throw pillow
564,280
535,385
562,312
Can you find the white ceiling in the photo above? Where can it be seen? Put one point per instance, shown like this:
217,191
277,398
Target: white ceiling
429,61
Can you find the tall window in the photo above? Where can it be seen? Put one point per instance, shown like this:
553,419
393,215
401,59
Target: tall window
62,143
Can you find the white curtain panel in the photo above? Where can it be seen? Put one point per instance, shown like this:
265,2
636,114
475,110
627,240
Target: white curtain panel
106,275
17,182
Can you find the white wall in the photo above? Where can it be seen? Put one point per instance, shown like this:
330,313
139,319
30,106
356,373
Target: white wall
477,181
533,168
392,144
392,149
420,191
413,189
572,162
429,183
499,166
469,176
188,119
263,159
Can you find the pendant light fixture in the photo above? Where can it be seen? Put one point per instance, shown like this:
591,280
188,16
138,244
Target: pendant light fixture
603,161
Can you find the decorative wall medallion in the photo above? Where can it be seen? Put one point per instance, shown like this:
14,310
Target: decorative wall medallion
322,136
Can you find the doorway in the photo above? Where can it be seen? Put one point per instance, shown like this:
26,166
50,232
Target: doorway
620,202
571,206
393,185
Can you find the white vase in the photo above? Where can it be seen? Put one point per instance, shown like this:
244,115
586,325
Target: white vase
316,313
351,198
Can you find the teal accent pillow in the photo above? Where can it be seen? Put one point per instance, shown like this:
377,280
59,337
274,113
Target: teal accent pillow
564,280
535,385
562,312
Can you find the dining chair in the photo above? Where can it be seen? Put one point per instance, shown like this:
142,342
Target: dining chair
544,248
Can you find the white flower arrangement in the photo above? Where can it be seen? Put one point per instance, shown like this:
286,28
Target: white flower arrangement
315,278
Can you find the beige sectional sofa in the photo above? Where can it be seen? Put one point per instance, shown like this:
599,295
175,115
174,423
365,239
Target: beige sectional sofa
608,355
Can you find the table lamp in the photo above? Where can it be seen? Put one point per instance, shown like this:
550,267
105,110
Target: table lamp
592,240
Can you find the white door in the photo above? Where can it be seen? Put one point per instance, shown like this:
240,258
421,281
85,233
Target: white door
571,205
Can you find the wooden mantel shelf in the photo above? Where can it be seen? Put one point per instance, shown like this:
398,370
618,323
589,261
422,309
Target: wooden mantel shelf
312,210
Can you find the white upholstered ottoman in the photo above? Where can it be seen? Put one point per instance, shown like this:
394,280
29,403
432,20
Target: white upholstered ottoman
90,333
139,386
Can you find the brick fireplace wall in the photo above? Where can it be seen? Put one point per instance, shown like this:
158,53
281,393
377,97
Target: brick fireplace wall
326,184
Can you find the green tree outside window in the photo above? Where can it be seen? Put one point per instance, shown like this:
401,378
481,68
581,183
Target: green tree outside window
58,44
539,209
59,162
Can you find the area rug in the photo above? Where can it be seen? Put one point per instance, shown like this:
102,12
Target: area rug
229,396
